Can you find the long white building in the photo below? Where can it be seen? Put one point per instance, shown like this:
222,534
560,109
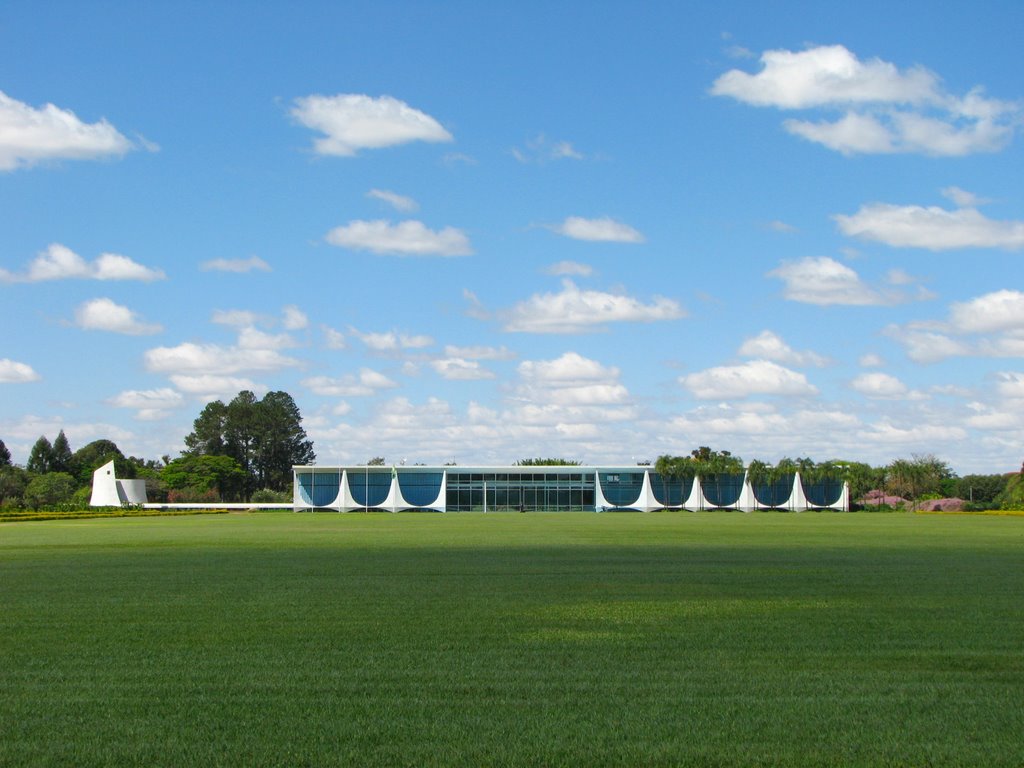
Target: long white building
554,488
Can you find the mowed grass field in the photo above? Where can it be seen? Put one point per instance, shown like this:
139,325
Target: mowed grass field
509,639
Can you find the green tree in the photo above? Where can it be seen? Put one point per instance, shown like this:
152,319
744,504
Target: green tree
13,481
376,461
202,474
915,477
49,489
981,489
265,437
61,456
94,455
41,457
5,455
546,463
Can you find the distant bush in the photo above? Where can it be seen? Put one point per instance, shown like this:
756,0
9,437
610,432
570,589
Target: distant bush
267,496
191,495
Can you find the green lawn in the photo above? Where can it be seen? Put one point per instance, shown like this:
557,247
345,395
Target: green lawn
507,639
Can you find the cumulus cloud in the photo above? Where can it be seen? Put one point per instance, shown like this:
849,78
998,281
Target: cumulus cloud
30,135
882,386
997,311
240,266
934,228
560,268
214,359
13,372
540,150
479,352
757,377
604,230
460,369
884,109
106,315
573,382
294,318
351,122
1000,314
255,339
408,238
824,281
333,339
392,341
395,200
209,387
235,317
59,262
770,346
149,404
364,384
927,346
577,311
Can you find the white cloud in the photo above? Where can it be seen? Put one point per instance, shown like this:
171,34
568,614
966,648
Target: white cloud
882,386
571,388
479,352
824,76
351,122
962,198
569,369
13,372
29,136
255,339
149,404
392,341
234,317
395,200
408,238
605,230
209,387
294,318
921,434
770,346
368,382
937,229
885,109
576,311
870,360
334,339
927,346
1010,384
539,150
105,315
781,226
213,359
824,281
757,377
997,311
59,262
851,134
235,265
459,369
561,268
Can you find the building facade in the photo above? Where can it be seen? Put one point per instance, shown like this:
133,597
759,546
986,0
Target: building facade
554,488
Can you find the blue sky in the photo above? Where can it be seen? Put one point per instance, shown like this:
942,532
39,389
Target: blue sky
484,231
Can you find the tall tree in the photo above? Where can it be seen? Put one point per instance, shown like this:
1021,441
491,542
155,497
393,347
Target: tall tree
94,455
265,437
5,455
61,460
41,457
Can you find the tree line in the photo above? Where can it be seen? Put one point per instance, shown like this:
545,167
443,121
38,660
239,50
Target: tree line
244,450
240,451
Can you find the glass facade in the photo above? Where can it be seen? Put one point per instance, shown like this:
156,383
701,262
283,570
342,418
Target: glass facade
554,489
519,490
774,494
